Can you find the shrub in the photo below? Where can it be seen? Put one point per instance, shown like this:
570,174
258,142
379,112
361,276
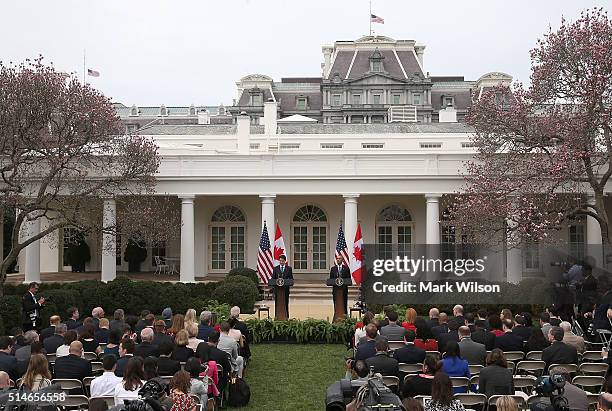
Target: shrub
10,311
238,290
203,291
245,272
303,332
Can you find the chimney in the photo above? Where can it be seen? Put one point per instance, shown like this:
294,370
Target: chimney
420,50
269,118
243,132
448,115
327,52
203,117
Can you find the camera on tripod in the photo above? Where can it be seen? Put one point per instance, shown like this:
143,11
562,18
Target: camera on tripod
551,387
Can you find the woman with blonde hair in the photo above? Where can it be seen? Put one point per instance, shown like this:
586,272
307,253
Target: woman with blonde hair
191,317
506,403
411,315
192,331
38,375
182,352
178,324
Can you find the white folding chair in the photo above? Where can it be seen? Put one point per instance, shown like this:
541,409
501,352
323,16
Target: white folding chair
161,267
593,368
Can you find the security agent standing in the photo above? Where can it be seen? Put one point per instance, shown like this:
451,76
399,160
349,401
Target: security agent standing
30,308
284,271
340,270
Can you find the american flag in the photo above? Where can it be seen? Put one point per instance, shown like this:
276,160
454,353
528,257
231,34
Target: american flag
375,19
93,73
341,248
264,256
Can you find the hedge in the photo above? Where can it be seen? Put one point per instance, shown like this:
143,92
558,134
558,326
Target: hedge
245,272
302,331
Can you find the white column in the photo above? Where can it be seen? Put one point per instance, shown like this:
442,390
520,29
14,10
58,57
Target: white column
109,240
187,239
432,223
32,251
514,258
593,238
267,214
350,220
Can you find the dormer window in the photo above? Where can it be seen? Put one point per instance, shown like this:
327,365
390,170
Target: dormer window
376,62
301,103
134,110
449,101
192,110
256,96
163,111
221,110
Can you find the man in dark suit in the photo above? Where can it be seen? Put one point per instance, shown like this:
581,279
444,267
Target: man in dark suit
204,329
103,332
367,348
521,328
54,320
30,308
482,336
509,341
409,353
146,348
558,352
473,352
458,314
52,343
166,365
73,318
160,335
340,270
451,335
126,351
434,316
283,270
393,331
72,366
442,327
8,363
220,357
381,362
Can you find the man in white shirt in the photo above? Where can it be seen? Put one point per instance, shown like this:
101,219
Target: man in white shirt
104,385
230,346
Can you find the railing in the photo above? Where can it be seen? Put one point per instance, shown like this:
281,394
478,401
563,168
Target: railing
402,114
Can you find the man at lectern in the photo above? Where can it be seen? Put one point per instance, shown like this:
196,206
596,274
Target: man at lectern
340,270
285,272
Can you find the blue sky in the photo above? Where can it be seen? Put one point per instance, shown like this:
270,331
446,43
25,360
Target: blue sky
151,52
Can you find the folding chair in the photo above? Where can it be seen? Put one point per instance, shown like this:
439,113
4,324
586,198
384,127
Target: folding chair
470,400
571,368
435,354
161,267
103,346
475,369
97,368
422,398
524,383
605,336
532,367
51,358
410,368
593,368
87,385
511,366
474,381
460,382
514,355
593,400
534,355
590,356
11,383
90,356
75,401
589,383
183,365
394,345
392,382
166,378
69,385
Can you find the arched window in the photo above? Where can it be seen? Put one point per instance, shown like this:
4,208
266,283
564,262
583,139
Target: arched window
309,239
394,229
227,239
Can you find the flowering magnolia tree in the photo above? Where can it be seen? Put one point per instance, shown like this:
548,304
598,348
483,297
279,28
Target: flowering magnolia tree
62,151
544,152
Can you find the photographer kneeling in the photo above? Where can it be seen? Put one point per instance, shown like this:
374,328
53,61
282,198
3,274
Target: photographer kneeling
558,394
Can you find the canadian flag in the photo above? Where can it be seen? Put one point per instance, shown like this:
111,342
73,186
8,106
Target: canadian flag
357,260
279,245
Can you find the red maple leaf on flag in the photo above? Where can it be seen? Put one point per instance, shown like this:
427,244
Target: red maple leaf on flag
357,254
278,252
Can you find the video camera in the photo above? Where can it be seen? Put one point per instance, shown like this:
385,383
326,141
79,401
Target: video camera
551,387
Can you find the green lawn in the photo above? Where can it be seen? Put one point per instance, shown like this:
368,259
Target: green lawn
291,377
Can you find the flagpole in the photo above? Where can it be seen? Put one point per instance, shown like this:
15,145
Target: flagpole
370,17
84,67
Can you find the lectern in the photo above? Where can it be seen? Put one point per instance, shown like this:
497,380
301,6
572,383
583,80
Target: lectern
340,287
280,297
